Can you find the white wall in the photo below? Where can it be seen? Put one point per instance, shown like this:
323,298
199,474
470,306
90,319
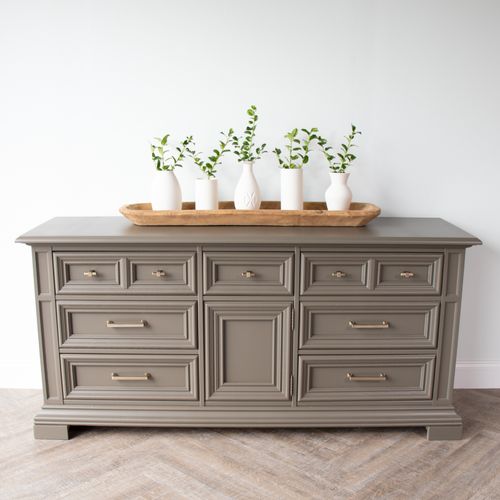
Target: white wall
85,85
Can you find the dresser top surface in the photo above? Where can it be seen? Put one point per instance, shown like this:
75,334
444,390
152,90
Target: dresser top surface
384,230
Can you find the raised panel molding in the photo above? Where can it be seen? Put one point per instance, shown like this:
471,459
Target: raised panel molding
242,379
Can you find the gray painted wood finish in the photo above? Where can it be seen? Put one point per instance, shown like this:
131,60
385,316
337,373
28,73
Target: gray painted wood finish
252,326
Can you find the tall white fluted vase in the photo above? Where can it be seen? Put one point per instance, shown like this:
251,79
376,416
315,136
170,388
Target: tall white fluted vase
338,196
247,192
292,191
166,192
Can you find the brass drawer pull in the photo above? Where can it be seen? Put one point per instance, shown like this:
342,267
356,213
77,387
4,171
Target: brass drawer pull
339,274
159,274
360,326
407,274
381,377
248,274
90,274
115,376
112,324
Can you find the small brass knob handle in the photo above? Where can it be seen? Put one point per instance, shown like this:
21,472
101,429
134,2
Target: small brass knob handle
407,274
159,274
339,274
90,274
248,274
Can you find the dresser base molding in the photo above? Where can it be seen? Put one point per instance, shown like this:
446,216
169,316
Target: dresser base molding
442,423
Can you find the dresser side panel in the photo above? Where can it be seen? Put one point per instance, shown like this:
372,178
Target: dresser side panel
47,324
450,318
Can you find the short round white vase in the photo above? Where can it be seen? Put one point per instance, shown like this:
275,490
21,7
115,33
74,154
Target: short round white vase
338,196
247,192
206,194
165,191
292,194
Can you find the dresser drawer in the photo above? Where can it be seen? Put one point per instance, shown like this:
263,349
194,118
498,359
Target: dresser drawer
79,272
166,273
248,273
325,273
131,378
408,273
394,324
139,325
326,378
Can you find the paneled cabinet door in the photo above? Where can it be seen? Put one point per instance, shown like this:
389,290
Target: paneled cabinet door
248,351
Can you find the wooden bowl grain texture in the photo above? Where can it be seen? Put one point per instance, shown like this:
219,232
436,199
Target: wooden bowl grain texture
315,213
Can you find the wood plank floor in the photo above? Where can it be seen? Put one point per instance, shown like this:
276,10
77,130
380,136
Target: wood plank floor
119,463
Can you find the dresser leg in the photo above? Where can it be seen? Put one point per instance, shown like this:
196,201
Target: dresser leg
444,432
50,431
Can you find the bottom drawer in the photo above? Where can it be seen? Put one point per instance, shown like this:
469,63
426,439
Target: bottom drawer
324,378
111,377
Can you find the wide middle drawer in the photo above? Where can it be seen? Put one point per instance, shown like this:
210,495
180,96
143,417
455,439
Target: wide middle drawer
363,324
248,273
127,324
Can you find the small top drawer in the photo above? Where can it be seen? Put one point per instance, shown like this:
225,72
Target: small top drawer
110,273
329,273
248,273
409,273
171,272
78,272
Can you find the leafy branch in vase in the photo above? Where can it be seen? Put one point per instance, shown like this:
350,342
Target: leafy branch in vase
244,146
162,156
208,167
298,149
338,163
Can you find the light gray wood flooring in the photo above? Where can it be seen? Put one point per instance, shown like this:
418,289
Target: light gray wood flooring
118,463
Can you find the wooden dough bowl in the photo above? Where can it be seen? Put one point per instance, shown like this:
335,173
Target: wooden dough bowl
314,214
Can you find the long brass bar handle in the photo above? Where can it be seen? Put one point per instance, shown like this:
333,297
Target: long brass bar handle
248,274
116,377
112,324
90,274
381,377
407,274
360,326
159,274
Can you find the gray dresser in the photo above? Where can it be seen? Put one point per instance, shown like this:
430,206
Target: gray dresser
248,326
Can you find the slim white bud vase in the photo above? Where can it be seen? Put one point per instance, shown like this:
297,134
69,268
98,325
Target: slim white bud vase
247,192
292,194
206,194
338,196
165,191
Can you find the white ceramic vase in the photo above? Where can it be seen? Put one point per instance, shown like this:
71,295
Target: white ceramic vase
247,192
165,191
292,194
338,196
206,194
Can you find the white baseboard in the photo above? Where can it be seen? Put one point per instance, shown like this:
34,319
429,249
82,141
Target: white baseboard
477,375
468,375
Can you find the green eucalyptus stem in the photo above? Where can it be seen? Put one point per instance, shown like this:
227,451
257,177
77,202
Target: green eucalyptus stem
341,161
244,147
161,154
298,149
208,167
